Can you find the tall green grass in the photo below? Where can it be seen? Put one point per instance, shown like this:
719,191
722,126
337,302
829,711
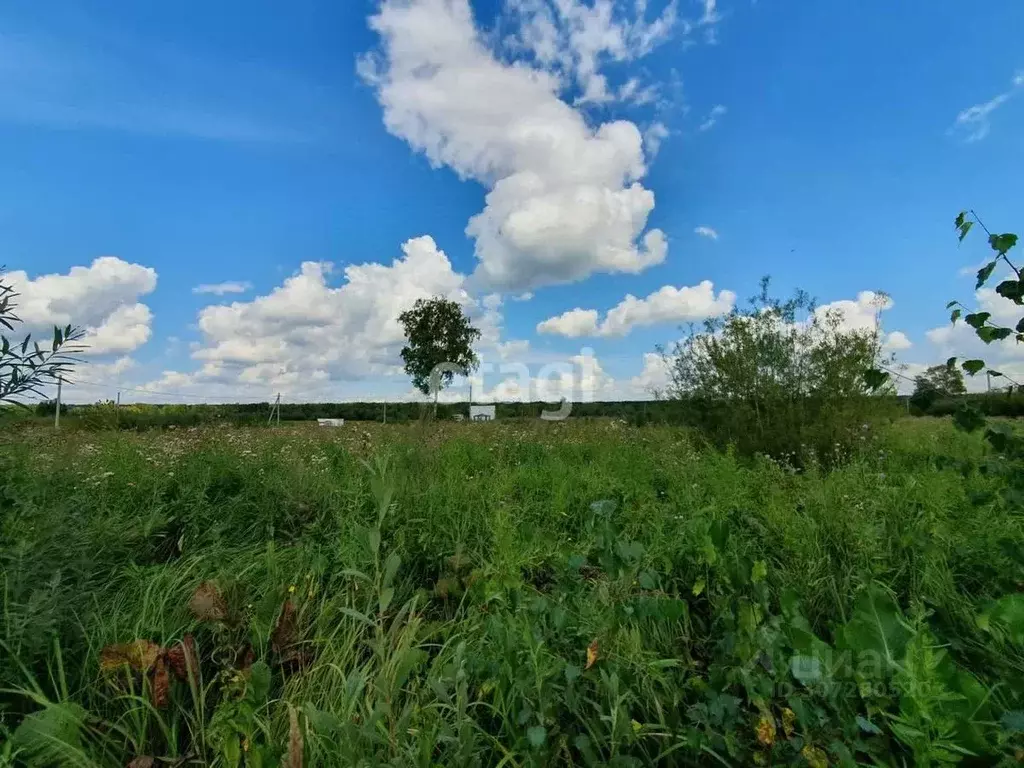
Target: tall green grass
507,594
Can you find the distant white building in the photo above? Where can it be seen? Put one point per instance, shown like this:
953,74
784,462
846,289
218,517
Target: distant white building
481,412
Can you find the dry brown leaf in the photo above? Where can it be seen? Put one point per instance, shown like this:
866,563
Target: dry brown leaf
183,658
766,731
145,761
160,685
285,632
591,653
139,655
293,758
788,722
207,603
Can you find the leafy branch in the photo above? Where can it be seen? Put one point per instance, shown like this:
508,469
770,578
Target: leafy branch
26,367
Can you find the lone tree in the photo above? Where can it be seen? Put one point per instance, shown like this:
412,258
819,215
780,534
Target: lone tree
440,344
25,367
936,382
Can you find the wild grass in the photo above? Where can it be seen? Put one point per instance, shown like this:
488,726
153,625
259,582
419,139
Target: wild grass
507,594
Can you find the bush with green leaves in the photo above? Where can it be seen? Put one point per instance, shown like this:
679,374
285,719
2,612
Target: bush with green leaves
26,369
782,378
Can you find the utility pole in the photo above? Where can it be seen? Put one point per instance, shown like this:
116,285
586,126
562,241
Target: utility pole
275,407
56,415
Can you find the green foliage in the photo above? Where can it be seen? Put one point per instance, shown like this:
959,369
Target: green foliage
26,368
780,378
439,342
576,594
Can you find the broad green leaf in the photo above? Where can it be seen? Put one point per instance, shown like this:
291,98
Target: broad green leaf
698,587
1006,616
391,568
968,418
875,379
952,304
954,316
1020,325
951,362
1012,290
973,366
1002,243
985,272
961,219
991,333
965,228
1012,721
867,726
537,735
759,571
977,319
51,736
806,669
994,373
386,595
259,681
877,626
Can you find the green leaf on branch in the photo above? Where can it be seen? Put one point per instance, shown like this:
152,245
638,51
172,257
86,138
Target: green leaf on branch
985,272
977,319
954,316
973,366
1012,290
875,379
994,373
1002,243
1020,325
964,229
951,363
968,418
991,333
952,304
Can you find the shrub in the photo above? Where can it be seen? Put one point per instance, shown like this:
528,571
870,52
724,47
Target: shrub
782,378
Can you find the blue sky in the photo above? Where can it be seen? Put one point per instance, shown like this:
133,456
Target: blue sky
828,144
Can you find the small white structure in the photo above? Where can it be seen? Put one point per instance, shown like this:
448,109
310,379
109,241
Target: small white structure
331,422
481,412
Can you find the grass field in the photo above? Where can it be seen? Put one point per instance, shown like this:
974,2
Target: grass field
507,594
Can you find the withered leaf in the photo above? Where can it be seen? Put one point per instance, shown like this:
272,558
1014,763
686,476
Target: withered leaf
591,654
144,761
207,603
183,658
160,685
139,655
285,632
293,758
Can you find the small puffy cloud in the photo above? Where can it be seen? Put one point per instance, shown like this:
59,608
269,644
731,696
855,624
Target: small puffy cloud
707,232
220,289
655,134
564,197
712,118
860,314
896,342
572,324
667,304
101,298
655,376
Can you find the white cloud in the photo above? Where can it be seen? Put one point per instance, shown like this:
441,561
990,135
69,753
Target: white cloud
707,232
974,123
306,336
667,304
101,298
655,134
896,342
860,314
708,122
655,376
572,324
219,289
573,39
565,199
